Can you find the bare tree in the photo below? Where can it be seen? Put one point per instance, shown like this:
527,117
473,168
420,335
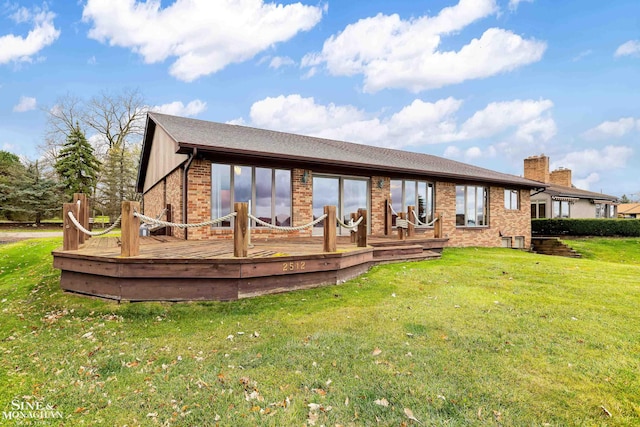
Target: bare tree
62,119
114,124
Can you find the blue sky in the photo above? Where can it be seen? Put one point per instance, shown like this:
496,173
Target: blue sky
487,82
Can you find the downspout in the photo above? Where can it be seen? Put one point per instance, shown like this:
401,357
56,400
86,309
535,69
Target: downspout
185,190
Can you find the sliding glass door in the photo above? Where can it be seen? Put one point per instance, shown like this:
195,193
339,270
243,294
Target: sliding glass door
346,194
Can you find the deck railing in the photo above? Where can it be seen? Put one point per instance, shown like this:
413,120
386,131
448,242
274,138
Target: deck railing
76,224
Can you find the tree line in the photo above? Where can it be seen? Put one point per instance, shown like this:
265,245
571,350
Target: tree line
103,166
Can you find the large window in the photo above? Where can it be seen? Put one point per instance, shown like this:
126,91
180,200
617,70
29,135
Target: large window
511,199
538,210
347,194
471,206
269,191
419,194
561,209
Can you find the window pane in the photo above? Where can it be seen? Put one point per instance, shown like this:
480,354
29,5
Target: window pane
430,202
283,198
396,198
556,209
515,199
262,202
460,220
564,209
220,192
542,210
325,193
507,199
354,197
409,195
423,198
241,184
471,207
534,213
480,206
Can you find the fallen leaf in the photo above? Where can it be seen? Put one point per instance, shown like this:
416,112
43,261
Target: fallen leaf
382,402
78,410
409,413
376,352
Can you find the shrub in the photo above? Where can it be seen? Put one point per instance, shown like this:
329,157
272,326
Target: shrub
586,227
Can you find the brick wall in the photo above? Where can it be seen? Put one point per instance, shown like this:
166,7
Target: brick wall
154,199
378,203
561,177
166,191
302,195
173,196
501,221
537,168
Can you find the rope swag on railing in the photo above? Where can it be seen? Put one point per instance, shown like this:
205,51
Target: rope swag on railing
154,221
352,225
283,228
93,233
404,223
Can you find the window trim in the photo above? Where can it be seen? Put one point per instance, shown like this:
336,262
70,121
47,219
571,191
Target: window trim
431,207
232,194
508,202
486,206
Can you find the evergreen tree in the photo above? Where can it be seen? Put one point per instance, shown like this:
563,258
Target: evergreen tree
76,164
41,198
12,175
624,199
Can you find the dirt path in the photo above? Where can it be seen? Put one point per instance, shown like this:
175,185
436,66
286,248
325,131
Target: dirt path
9,237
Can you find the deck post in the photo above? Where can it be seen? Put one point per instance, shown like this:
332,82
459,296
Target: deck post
388,218
362,228
437,231
82,215
411,217
330,229
130,229
169,230
240,230
401,233
69,231
353,233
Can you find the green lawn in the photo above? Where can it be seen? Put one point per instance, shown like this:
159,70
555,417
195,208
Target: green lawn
480,337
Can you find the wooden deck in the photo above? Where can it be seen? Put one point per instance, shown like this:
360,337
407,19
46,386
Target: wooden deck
170,269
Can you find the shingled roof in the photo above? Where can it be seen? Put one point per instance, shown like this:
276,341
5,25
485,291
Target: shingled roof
561,191
241,140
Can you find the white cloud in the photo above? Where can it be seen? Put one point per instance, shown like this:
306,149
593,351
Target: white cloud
586,182
22,49
8,147
394,53
204,35
418,123
582,55
26,103
530,118
513,4
177,108
92,60
613,129
589,161
281,61
630,48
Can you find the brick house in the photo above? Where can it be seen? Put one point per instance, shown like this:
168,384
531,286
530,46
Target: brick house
561,199
201,168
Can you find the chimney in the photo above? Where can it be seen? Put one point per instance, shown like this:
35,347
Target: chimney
561,176
537,168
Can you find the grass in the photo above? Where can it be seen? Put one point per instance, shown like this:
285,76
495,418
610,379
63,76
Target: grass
480,337
618,250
